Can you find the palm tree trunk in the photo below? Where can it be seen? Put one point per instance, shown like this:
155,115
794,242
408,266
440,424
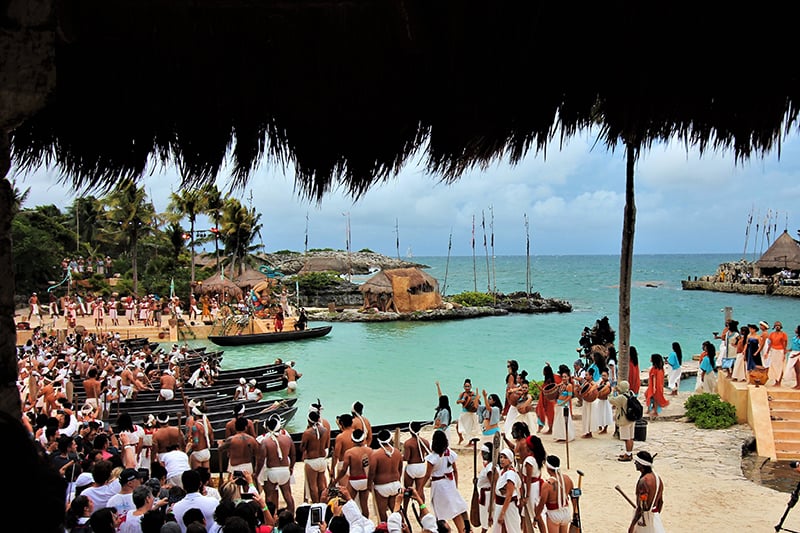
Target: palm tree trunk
191,221
134,261
9,394
626,265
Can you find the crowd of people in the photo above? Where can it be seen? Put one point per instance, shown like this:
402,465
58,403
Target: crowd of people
152,475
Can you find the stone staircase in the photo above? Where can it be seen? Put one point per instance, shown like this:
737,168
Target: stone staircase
784,409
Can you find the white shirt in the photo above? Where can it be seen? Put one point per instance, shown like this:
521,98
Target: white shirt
207,504
122,503
101,495
176,462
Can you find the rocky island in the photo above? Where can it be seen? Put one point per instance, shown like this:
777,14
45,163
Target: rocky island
342,300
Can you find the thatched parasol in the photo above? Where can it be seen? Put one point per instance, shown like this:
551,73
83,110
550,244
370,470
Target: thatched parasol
217,284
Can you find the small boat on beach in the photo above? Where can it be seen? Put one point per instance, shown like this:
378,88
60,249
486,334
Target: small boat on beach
269,337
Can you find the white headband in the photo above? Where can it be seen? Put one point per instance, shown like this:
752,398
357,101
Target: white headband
642,461
359,439
485,449
550,466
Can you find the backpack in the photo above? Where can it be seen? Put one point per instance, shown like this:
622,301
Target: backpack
634,409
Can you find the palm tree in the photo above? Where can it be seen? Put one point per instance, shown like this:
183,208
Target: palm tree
86,212
19,197
189,203
240,226
134,215
213,207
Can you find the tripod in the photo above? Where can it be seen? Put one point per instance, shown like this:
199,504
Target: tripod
792,500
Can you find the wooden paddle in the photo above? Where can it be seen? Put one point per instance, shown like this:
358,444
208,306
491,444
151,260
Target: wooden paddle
497,441
475,505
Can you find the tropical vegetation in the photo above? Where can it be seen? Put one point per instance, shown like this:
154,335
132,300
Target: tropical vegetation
147,250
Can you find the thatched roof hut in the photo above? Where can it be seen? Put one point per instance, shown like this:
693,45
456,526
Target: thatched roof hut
783,254
402,290
249,278
220,285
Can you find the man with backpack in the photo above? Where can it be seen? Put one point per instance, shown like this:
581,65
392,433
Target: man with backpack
624,423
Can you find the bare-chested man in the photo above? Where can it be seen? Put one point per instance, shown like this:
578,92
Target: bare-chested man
230,426
167,386
199,434
556,497
314,446
166,436
93,389
276,463
355,465
242,448
415,449
361,422
386,469
291,375
343,441
649,496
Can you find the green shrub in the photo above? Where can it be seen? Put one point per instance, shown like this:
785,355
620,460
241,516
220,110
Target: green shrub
315,281
709,411
534,387
473,299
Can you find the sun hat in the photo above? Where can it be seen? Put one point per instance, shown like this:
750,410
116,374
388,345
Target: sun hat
623,386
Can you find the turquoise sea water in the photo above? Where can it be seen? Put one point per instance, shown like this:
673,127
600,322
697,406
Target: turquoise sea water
392,368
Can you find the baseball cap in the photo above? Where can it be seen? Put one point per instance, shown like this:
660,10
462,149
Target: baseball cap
129,474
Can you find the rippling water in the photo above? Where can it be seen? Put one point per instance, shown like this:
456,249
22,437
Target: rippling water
392,367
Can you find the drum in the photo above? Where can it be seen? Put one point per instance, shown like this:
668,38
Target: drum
551,391
588,392
757,376
604,391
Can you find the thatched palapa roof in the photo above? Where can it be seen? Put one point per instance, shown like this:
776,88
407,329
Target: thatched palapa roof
348,92
784,253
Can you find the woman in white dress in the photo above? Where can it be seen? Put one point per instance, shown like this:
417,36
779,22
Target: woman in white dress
506,517
602,414
563,425
447,502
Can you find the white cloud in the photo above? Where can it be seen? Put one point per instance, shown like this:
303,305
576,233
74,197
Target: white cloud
573,197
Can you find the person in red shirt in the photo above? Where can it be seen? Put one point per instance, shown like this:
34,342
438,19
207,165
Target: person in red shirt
776,356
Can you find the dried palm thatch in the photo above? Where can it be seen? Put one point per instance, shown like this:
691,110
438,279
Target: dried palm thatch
249,278
217,284
348,92
784,253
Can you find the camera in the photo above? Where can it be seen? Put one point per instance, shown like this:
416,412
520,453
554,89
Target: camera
316,515
794,464
576,492
407,493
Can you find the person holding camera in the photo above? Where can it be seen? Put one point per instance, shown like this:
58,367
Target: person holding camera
396,523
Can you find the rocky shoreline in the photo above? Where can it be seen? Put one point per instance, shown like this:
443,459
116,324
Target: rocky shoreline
342,302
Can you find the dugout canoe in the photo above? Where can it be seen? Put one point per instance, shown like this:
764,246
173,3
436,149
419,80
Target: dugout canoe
271,337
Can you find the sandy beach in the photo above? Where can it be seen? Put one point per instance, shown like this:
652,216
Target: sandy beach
705,489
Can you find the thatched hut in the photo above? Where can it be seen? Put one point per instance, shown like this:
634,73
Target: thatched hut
784,254
402,290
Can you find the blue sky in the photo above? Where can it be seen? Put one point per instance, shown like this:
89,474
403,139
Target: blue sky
573,199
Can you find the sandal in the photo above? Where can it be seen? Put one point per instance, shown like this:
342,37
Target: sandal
625,458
